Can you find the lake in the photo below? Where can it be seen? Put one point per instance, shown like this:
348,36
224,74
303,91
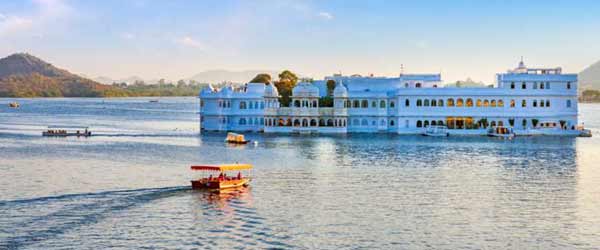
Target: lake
128,186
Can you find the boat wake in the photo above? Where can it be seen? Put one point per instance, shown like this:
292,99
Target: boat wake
28,221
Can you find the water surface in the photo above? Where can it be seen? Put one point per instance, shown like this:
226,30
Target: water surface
127,187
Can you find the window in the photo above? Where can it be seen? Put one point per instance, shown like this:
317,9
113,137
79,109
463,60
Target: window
547,103
568,103
262,121
547,85
356,122
406,85
524,103
296,103
441,103
391,122
469,102
541,85
568,85
459,102
201,103
250,120
534,103
418,85
373,123
242,121
250,105
426,124
419,124
419,103
392,104
365,104
535,85
315,104
500,103
486,103
373,104
493,103
450,102
426,103
243,106
512,85
478,102
364,122
382,104
542,103
356,104
407,103
512,103
433,103
523,85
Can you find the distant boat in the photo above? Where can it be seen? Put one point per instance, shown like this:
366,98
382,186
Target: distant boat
153,100
236,138
64,131
436,131
14,105
502,132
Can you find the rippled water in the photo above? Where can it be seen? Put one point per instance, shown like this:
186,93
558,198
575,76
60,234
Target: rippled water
127,187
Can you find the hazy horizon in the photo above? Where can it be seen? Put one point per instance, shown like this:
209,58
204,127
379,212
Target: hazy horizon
177,39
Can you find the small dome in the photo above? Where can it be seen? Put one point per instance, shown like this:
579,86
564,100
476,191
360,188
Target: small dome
271,91
305,89
340,90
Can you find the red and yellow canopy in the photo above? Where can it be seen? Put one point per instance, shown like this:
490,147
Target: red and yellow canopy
222,167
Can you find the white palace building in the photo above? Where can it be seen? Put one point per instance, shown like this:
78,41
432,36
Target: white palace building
530,100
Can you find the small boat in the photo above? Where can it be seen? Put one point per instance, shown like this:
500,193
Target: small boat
153,101
585,133
221,181
236,138
64,131
14,105
501,131
436,131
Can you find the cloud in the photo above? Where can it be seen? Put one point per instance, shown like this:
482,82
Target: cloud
35,20
325,15
190,42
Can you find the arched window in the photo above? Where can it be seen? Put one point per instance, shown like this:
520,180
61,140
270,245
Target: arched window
426,124
392,104
313,122
364,122
534,103
459,102
304,122
242,121
426,103
493,103
433,123
365,104
382,104
419,124
321,122
356,122
419,103
440,103
374,104
524,103
356,104
486,103
450,102
433,103
440,123
547,103
500,103
329,122
407,103
478,102
391,122
469,102
373,123
242,105
568,103
418,85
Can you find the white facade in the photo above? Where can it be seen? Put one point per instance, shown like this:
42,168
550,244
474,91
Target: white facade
532,101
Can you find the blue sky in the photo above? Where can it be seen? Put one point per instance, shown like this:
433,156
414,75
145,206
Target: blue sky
175,39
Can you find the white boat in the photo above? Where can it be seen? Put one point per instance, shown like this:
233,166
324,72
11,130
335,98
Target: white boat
501,131
437,131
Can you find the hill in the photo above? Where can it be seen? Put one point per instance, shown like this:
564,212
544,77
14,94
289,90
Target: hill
589,78
24,75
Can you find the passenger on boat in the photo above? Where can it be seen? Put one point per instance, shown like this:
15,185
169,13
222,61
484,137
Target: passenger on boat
239,175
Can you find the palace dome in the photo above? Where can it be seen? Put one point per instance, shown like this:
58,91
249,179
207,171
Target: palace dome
271,91
305,89
340,90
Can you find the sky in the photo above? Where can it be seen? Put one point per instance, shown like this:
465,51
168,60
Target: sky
176,39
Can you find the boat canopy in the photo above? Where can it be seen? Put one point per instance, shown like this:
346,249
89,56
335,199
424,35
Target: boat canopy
222,167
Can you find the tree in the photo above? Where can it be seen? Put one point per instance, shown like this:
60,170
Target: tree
180,83
287,81
262,78
330,87
326,101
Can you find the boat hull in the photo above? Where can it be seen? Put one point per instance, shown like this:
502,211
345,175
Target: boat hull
66,134
218,185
